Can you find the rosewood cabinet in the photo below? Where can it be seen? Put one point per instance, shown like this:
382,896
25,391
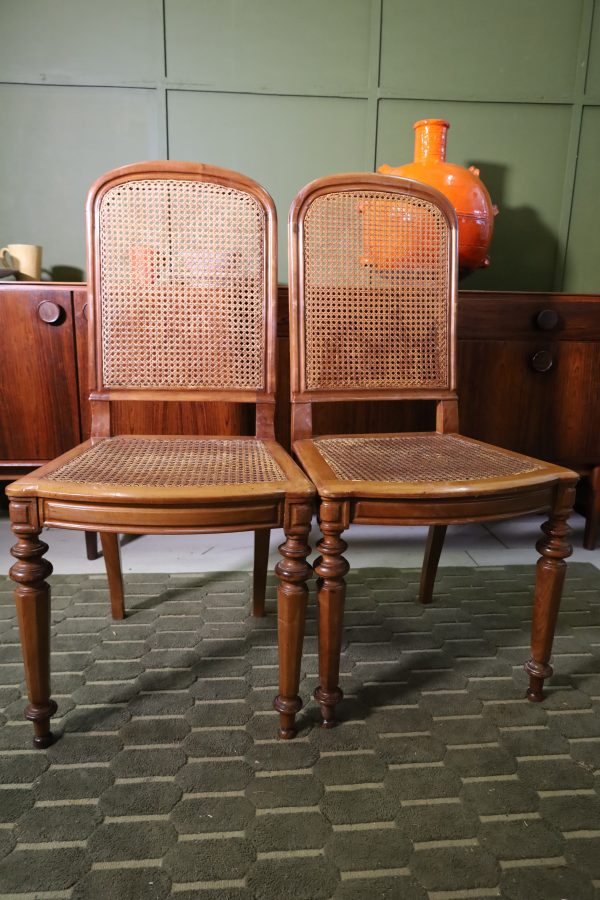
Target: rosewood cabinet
39,379
528,380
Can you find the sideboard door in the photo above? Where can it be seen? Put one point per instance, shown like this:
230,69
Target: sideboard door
39,407
534,397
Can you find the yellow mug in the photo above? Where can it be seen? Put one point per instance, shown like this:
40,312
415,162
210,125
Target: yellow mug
26,258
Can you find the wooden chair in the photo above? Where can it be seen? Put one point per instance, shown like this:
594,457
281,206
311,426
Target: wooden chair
373,280
182,293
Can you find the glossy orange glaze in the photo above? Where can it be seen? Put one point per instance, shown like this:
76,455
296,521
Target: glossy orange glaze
462,186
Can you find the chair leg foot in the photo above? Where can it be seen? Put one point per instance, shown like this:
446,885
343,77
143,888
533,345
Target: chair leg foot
537,675
40,716
331,567
287,709
32,601
550,576
293,571
328,701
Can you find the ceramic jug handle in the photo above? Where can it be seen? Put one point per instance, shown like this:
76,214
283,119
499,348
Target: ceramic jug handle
6,258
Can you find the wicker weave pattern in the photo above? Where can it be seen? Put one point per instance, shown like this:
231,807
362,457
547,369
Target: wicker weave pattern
417,458
376,292
182,286
181,462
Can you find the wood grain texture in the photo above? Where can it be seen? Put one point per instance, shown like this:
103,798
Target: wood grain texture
39,411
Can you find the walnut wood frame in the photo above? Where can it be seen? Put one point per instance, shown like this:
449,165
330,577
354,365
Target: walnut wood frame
38,502
549,489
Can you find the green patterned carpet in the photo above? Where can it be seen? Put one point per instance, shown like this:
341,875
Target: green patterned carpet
443,782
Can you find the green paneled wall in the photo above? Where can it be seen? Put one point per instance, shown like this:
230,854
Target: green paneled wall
287,90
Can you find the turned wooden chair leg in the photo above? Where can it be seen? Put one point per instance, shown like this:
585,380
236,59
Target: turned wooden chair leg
331,567
433,551
592,513
261,562
112,558
32,600
91,545
550,576
293,571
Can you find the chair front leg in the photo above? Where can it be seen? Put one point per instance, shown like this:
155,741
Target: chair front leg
293,571
32,600
331,567
550,576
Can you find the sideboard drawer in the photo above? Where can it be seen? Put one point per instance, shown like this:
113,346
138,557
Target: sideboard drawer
528,316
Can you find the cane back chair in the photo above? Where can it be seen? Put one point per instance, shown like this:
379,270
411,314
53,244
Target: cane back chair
182,292
373,283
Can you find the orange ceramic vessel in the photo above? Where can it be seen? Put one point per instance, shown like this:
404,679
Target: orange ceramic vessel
462,186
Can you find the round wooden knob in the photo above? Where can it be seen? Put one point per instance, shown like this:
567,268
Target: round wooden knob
50,312
542,361
546,319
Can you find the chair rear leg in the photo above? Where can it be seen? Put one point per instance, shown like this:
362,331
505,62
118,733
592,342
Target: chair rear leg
261,562
112,559
331,567
550,575
433,551
592,517
91,545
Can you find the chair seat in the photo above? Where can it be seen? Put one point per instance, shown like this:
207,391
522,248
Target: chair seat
420,464
149,469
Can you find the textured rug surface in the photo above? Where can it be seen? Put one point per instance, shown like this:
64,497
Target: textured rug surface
442,782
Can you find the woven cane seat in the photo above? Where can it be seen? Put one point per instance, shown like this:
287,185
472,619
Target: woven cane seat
409,464
178,462
418,458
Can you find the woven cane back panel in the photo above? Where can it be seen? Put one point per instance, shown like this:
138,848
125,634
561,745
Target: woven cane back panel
417,458
376,292
139,462
182,286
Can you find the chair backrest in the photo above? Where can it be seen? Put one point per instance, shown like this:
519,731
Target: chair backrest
373,276
182,288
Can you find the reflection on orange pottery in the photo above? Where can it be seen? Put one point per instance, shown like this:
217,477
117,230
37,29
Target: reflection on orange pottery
462,186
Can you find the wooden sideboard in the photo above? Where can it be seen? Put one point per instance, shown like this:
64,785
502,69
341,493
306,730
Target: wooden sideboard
528,379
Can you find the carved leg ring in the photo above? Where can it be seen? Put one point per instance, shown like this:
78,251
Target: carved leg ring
331,567
293,572
550,575
32,599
